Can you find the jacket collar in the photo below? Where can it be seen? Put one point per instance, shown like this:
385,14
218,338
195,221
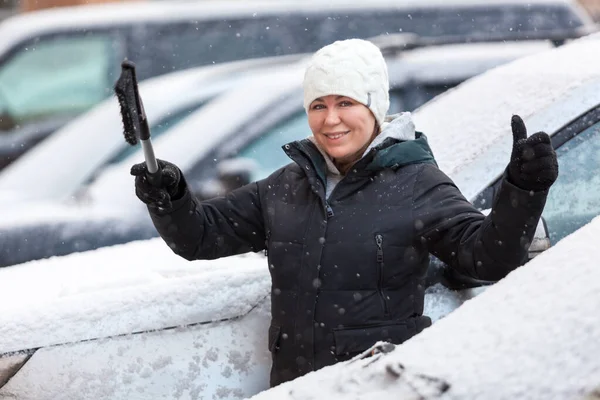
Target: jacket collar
397,145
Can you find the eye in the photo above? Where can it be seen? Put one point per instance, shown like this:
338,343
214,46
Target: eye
317,106
346,103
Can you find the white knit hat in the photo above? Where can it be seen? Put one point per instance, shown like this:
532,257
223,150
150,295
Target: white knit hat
354,68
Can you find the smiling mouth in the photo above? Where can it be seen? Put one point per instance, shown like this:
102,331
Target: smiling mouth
336,135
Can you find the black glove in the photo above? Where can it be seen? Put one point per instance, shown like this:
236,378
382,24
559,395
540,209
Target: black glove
157,196
533,164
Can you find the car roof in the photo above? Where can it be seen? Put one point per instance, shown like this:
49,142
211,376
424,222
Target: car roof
548,90
97,133
33,24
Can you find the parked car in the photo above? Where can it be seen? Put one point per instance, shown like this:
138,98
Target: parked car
208,146
89,141
136,321
55,64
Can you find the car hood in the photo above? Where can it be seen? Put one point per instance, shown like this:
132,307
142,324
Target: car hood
88,295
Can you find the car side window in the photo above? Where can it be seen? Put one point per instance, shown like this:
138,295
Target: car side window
64,75
266,149
574,199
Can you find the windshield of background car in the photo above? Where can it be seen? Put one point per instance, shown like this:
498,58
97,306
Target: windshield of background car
61,75
177,45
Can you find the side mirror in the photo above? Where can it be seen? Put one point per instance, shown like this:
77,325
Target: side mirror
231,174
7,122
236,172
541,239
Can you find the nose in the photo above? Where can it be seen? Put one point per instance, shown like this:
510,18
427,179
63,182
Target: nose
332,117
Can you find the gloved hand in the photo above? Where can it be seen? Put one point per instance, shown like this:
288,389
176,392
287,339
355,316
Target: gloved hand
533,164
158,197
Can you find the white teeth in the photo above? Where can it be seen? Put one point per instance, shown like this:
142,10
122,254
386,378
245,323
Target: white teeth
336,136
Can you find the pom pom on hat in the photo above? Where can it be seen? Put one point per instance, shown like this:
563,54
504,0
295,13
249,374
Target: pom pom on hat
353,68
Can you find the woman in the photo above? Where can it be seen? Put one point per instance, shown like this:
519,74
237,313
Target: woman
350,223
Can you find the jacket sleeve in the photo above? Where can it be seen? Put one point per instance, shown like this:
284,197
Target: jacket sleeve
478,246
214,228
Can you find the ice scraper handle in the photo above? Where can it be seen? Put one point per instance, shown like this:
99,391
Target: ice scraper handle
154,172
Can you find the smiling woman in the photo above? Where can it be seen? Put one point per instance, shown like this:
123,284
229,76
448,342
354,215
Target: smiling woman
349,224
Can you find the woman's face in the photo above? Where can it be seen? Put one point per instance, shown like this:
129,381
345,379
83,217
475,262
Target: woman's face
342,126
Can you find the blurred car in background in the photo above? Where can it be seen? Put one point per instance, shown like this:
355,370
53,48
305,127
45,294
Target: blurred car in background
214,146
55,64
85,144
136,321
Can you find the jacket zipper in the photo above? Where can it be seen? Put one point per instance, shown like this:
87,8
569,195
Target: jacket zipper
328,210
267,238
379,242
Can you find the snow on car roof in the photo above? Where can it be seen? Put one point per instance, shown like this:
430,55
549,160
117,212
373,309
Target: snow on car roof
532,335
29,25
486,102
122,289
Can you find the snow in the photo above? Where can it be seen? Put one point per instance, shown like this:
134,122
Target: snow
532,335
223,360
122,289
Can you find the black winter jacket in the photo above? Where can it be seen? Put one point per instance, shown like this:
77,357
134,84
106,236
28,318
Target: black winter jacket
348,271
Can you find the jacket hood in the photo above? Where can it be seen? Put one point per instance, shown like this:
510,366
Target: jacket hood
398,144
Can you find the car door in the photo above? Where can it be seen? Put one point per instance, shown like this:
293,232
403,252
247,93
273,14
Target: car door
574,199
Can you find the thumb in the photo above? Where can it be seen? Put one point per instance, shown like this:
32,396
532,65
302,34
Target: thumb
518,128
138,169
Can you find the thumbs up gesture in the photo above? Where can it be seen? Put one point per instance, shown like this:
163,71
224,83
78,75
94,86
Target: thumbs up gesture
533,164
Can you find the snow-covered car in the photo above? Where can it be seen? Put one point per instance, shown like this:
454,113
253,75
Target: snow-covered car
210,146
95,138
56,63
136,322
